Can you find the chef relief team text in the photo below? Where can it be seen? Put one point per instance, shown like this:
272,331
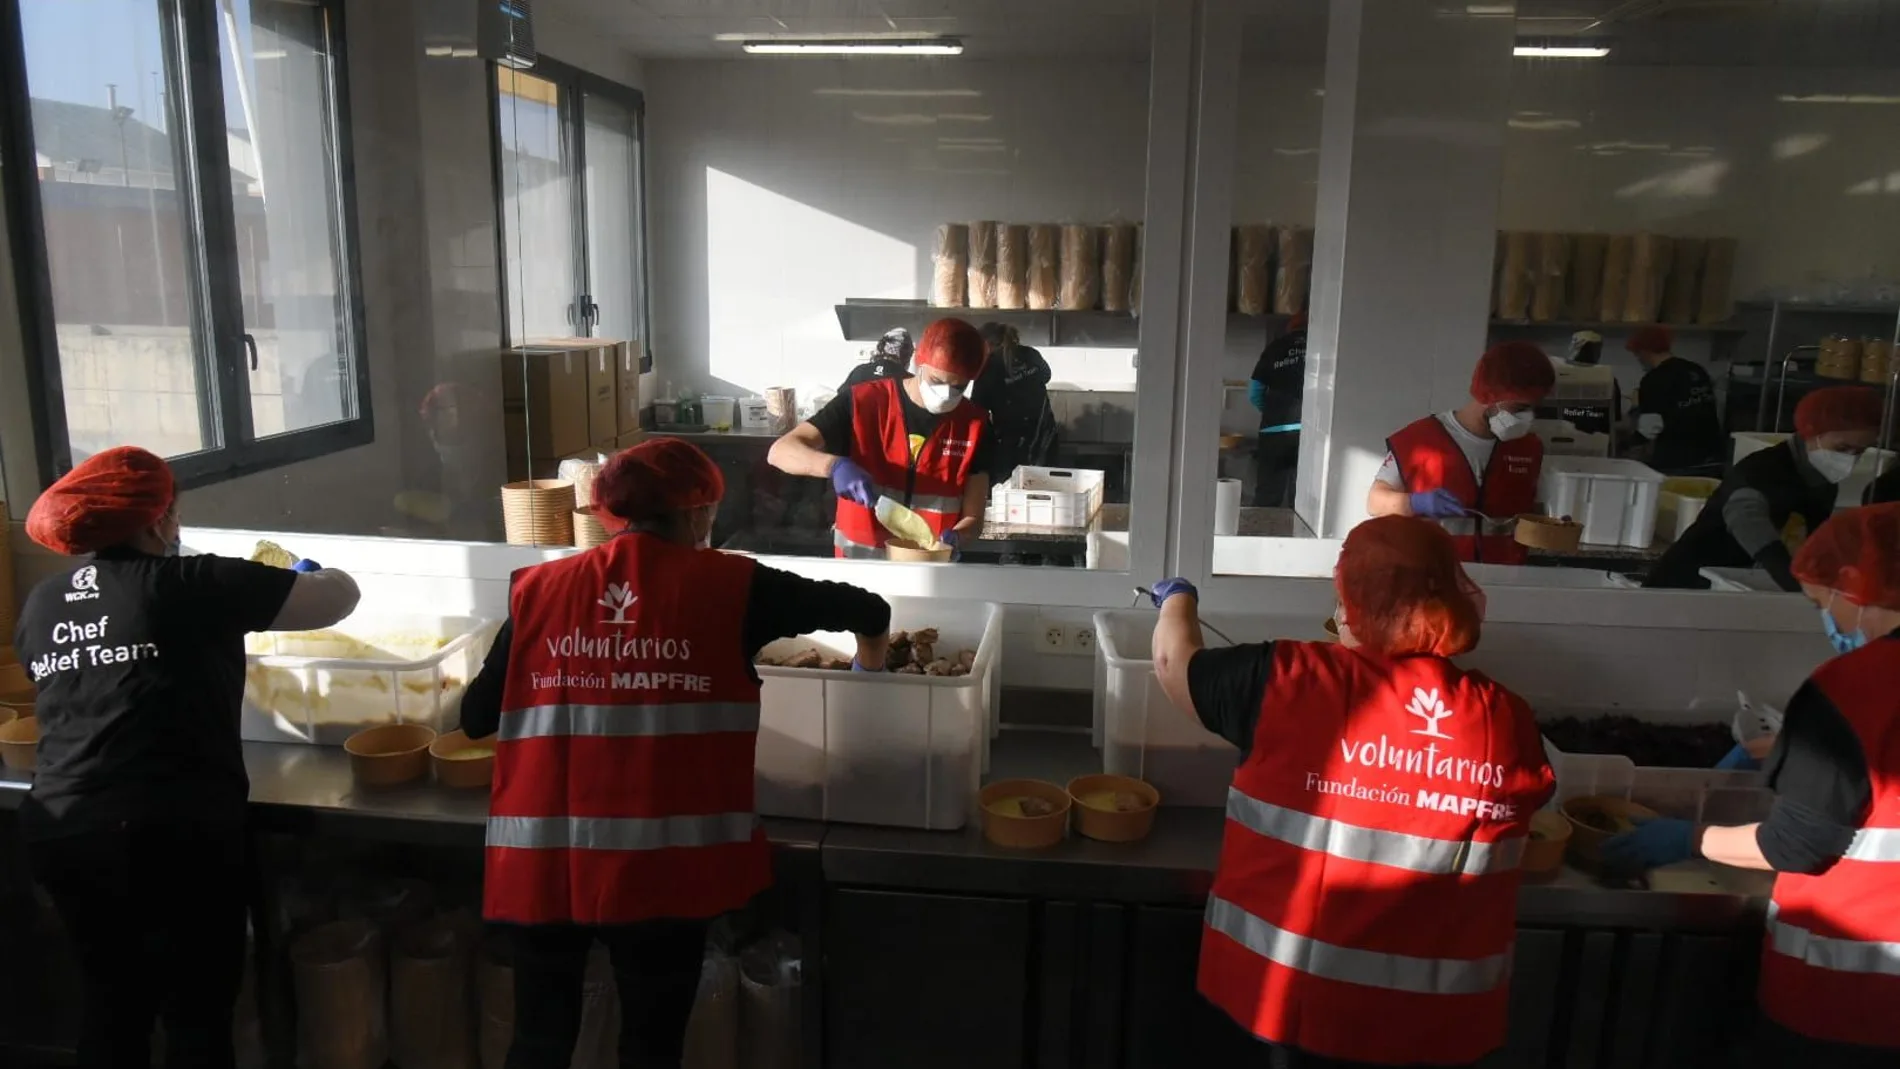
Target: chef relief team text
96,650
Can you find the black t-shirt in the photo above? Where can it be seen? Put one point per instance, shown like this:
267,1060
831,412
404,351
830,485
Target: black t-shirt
1681,392
834,424
1228,686
140,666
1818,772
779,605
1282,370
872,370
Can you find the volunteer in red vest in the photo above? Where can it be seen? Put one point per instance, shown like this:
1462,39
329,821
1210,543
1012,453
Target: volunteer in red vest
135,825
919,441
1830,973
1478,460
1366,896
626,709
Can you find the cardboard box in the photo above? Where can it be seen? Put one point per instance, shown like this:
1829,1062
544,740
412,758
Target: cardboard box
604,358
628,441
544,397
627,410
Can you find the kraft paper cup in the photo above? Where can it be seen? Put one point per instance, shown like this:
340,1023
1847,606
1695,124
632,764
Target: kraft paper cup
538,512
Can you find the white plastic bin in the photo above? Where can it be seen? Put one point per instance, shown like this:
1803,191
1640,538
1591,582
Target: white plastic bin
899,750
1680,502
1615,500
324,686
1747,442
1048,497
1141,733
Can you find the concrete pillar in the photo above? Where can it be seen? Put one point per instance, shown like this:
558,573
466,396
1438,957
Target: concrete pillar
1412,142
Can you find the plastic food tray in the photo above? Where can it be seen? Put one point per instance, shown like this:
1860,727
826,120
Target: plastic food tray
1048,497
898,750
1615,500
324,686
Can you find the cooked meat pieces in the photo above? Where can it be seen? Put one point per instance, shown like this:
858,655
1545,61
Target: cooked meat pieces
1037,807
912,653
805,659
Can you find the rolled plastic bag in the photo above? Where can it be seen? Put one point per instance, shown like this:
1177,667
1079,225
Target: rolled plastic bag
712,1032
1045,257
771,982
983,256
1293,276
1081,271
338,971
1586,275
1614,291
1253,276
1012,265
428,997
1118,266
1517,274
1715,304
1685,280
952,263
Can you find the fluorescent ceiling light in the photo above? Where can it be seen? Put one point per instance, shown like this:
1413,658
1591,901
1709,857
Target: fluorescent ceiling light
1561,51
844,91
930,46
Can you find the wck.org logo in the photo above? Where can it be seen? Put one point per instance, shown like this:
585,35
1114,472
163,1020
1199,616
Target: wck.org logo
1427,706
619,600
85,584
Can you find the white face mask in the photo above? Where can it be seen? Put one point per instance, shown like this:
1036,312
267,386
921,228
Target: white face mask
1510,426
1833,466
939,397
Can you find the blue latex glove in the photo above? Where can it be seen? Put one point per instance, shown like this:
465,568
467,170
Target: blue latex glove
1167,588
954,540
856,667
306,565
1257,395
1437,504
1738,760
1653,843
850,481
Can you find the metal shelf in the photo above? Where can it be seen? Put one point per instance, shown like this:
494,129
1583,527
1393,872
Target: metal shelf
868,319
1729,327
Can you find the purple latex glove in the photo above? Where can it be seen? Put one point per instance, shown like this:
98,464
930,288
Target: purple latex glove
306,565
1653,844
1167,588
1437,504
953,539
856,667
851,482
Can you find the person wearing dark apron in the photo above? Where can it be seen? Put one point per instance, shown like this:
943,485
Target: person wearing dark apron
1275,390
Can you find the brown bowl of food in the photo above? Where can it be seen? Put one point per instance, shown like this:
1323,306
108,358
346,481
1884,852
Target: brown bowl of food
1114,809
1559,534
1594,818
905,549
460,761
1025,814
389,754
1544,850
20,743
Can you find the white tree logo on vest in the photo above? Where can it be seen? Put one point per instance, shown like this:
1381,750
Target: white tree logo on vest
619,600
1426,705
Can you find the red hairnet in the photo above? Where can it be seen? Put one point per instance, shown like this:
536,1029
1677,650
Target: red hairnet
1837,408
1651,339
954,346
106,500
656,478
1514,372
1856,552
1297,322
1403,590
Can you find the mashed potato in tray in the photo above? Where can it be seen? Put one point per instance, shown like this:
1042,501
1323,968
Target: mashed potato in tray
325,703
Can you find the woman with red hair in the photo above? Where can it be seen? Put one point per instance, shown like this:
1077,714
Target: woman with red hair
1474,469
918,440
626,710
1363,909
1773,497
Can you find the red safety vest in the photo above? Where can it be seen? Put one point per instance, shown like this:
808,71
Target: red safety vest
1367,890
623,768
931,484
1429,459
1831,962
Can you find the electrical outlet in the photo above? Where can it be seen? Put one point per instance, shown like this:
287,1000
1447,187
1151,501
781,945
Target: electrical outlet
1054,638
1085,640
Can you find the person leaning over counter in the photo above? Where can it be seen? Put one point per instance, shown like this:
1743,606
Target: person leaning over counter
1474,469
1830,973
135,822
626,709
919,441
1366,896
1675,407
1746,522
889,359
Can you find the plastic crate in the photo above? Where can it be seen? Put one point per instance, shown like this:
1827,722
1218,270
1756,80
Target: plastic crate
1579,383
1048,497
1140,731
898,750
324,686
1615,500
1680,502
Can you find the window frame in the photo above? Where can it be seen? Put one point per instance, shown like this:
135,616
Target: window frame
192,46
576,86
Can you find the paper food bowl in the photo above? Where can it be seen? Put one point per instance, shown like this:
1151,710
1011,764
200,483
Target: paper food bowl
1593,819
1094,803
20,743
904,549
1005,824
1548,532
1549,838
463,762
389,754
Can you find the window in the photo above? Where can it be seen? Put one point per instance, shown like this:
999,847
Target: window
573,208
188,212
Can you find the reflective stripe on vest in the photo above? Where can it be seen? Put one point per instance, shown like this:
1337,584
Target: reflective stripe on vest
854,550
1830,952
1354,842
923,502
1394,972
628,721
1874,844
620,833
